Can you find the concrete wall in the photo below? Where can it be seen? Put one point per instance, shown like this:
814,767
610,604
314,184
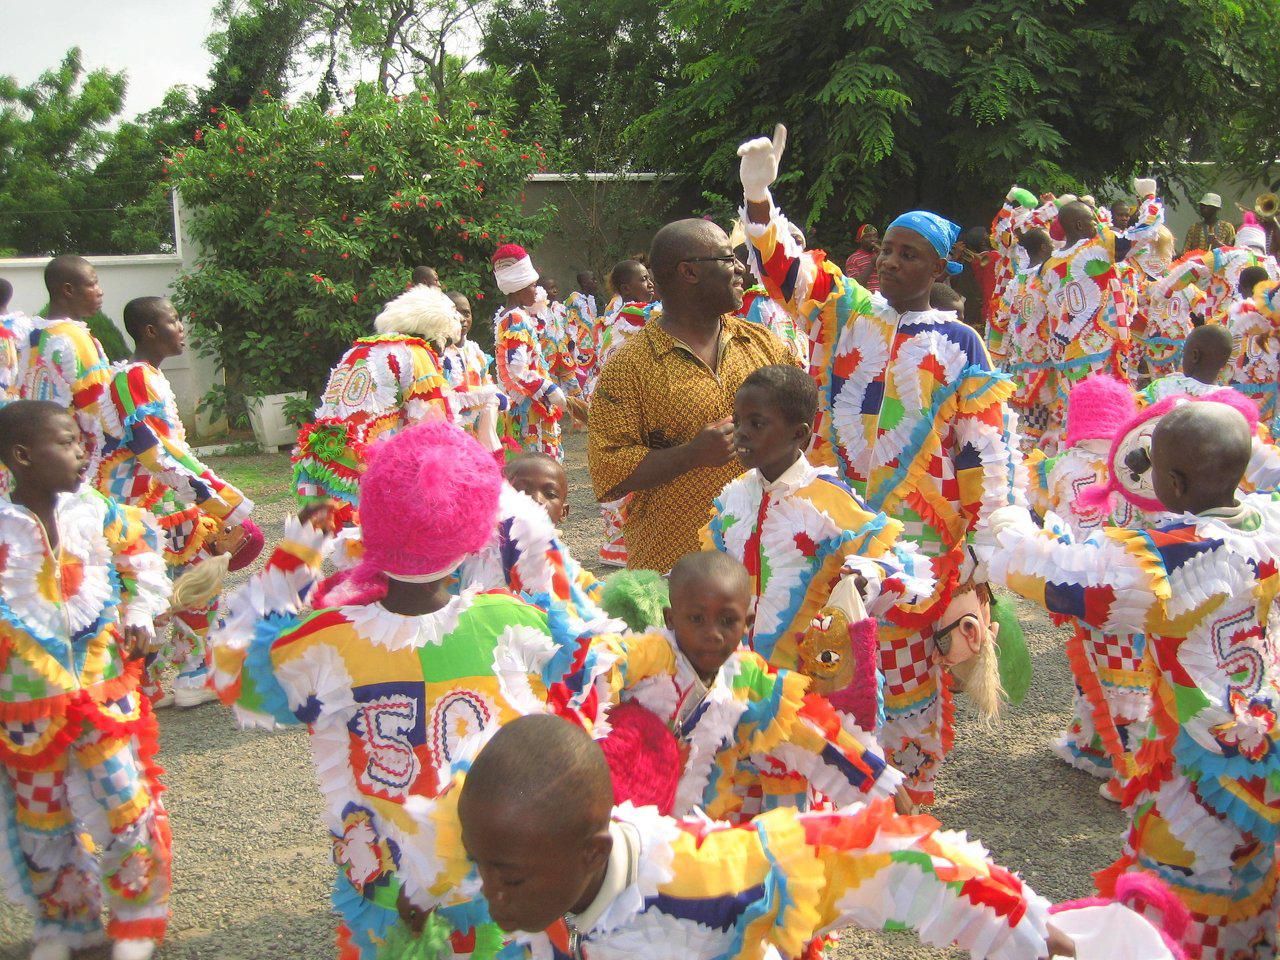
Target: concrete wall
123,278
1180,210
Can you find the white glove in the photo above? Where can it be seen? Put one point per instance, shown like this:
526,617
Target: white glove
1008,518
758,168
1144,187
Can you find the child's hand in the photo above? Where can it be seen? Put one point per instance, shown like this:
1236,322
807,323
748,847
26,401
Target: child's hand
578,410
135,641
322,515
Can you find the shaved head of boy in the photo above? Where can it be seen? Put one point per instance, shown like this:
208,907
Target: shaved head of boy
1199,452
631,281
1206,352
710,611
535,821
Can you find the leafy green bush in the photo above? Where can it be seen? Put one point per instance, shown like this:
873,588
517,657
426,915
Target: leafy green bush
307,221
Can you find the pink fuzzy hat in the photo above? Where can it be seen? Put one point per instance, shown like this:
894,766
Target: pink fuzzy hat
428,498
1097,407
1132,480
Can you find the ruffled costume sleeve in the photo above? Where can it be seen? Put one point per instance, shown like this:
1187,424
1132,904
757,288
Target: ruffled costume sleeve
1111,581
160,446
260,614
425,391
522,371
1192,268
787,723
779,881
73,355
1145,228
135,550
982,444
811,288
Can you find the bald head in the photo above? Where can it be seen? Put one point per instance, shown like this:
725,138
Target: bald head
1077,220
545,772
1206,352
680,240
1199,452
694,570
696,274
73,288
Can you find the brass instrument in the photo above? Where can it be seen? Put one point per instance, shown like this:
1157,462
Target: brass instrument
1266,206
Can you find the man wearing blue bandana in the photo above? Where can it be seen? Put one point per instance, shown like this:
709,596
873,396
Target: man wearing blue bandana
914,419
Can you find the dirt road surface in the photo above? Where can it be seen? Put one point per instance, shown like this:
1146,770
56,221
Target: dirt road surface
251,861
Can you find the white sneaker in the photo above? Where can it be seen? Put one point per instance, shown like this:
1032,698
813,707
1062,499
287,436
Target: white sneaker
187,697
51,950
133,950
1104,789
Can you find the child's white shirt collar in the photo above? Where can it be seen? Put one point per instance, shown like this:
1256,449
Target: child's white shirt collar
796,475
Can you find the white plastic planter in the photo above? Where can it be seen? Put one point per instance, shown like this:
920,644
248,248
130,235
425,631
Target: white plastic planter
266,416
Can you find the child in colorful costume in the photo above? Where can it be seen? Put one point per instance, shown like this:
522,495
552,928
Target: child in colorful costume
537,400
1205,355
1255,366
1021,212
913,418
389,672
1112,700
1028,338
476,400
562,873
582,323
1201,586
542,479
800,531
752,738
148,464
1087,299
382,384
81,580
65,363
555,337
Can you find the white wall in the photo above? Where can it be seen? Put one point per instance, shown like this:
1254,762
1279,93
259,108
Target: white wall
123,278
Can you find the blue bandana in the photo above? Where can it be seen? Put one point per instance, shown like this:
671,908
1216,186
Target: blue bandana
939,231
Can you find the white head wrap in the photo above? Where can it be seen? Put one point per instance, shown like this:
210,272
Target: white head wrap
513,275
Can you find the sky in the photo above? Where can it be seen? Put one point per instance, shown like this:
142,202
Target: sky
158,42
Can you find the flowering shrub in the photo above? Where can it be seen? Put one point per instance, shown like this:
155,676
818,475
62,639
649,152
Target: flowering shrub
307,222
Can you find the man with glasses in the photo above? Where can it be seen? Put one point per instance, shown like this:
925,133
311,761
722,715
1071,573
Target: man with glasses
661,416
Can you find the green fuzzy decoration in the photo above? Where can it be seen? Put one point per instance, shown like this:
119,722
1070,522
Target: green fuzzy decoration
1011,651
403,944
636,597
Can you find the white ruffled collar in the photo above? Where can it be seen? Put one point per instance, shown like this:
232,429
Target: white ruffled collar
655,837
394,631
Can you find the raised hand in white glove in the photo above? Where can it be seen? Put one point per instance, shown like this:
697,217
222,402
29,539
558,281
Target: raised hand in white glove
758,167
1009,518
1145,187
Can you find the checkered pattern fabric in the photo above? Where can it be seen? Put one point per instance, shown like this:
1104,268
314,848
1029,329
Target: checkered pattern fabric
1112,652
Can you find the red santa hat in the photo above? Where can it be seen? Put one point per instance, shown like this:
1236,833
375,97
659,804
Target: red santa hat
512,268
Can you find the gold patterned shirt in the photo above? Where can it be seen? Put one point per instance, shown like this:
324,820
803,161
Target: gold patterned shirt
654,393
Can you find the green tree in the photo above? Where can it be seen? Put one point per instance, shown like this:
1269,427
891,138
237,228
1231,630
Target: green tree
306,221
52,135
944,103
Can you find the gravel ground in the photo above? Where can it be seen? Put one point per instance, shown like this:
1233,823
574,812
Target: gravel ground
251,862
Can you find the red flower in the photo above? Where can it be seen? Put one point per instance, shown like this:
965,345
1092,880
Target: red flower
345,256
471,104
266,92
485,235
359,220
438,227
437,119
306,233
439,203
213,109
425,98
355,298
319,163
344,218
395,205
504,133
471,126
199,135
459,257
222,126
303,249
479,296
395,236
524,156
239,149
373,168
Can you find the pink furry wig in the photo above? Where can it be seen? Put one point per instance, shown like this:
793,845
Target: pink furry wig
428,498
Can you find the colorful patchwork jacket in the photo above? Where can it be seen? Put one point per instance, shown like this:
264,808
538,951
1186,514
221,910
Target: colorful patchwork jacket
66,364
61,668
912,415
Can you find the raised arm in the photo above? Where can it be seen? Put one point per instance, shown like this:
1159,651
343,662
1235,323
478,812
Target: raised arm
148,430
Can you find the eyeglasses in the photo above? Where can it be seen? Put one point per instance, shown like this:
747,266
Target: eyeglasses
727,258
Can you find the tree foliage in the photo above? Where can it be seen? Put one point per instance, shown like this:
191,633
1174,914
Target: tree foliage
896,103
307,221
